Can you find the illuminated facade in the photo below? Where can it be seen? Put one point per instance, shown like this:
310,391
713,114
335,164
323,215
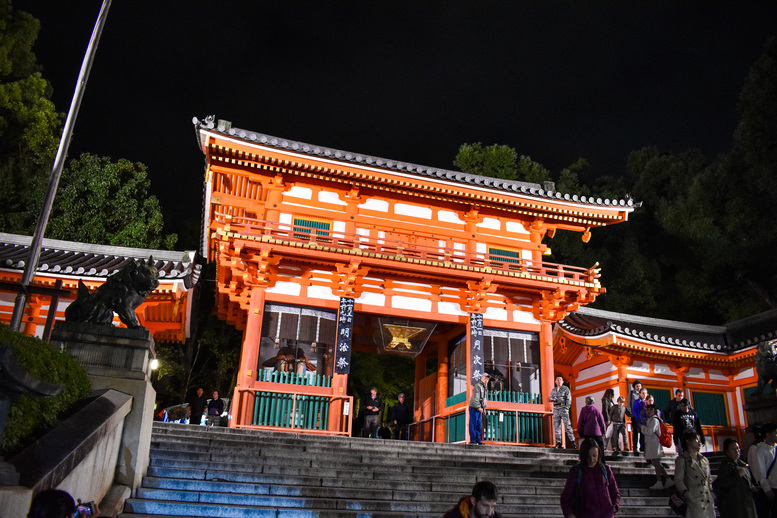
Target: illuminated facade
321,251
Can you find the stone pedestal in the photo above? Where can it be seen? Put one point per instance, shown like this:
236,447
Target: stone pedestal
761,408
119,359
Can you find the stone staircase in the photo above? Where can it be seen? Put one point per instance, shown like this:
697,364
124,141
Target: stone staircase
219,472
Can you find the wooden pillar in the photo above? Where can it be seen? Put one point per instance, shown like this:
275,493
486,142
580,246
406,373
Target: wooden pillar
442,388
420,373
336,421
249,356
31,315
547,378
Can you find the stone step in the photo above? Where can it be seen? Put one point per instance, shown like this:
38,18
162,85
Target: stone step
199,471
442,493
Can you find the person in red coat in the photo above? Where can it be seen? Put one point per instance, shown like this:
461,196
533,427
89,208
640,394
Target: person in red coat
590,423
590,490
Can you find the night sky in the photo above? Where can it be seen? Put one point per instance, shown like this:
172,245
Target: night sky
409,81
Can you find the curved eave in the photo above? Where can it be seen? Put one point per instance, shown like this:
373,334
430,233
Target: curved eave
532,201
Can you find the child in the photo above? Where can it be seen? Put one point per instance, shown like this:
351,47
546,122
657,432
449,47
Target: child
618,420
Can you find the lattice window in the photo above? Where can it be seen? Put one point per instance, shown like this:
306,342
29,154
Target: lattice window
303,227
501,255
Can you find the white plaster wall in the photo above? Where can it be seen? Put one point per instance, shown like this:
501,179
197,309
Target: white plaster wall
415,211
376,205
640,367
372,299
285,288
718,375
747,373
285,218
512,226
492,223
596,370
330,197
449,217
524,317
449,308
299,192
413,303
321,292
695,373
662,369
496,314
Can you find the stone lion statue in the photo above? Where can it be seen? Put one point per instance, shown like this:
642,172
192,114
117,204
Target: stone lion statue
122,293
766,365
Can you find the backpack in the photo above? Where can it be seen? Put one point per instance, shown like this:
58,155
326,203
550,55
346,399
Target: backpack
664,437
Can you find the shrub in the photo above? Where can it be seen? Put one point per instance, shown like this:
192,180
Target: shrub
29,416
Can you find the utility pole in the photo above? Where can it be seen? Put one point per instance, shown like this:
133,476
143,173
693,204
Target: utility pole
43,218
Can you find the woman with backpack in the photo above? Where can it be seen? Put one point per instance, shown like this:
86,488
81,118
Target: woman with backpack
590,490
653,449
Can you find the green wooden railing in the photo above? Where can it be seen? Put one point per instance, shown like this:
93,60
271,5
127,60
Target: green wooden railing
292,378
513,397
291,410
455,426
511,426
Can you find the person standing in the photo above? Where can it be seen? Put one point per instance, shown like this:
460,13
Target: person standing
618,419
685,420
765,470
562,402
196,407
373,407
400,414
215,409
653,449
637,420
733,485
477,409
607,405
590,424
673,405
636,386
590,490
692,478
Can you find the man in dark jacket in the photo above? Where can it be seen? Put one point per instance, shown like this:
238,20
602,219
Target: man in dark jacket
196,407
685,419
480,504
373,407
673,405
400,414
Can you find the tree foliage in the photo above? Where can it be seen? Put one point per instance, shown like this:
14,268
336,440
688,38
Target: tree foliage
105,202
29,125
701,247
30,417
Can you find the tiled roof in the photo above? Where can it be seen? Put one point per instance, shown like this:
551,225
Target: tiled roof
732,337
534,189
98,261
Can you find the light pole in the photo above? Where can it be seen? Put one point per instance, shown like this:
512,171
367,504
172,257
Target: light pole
40,227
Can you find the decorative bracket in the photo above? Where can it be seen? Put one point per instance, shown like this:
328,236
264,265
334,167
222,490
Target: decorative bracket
347,282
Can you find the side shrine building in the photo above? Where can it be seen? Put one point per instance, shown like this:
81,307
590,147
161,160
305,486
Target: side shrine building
321,252
714,365
166,312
